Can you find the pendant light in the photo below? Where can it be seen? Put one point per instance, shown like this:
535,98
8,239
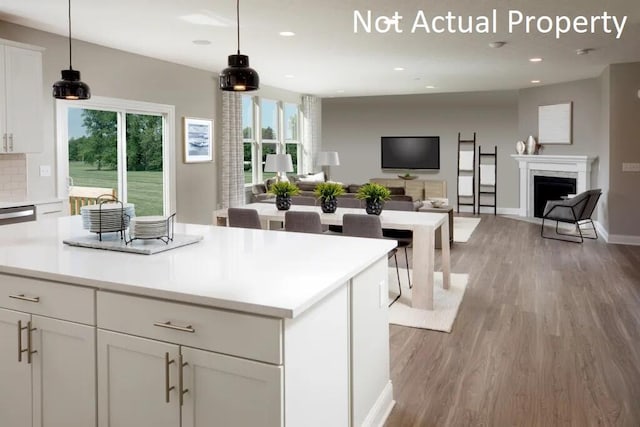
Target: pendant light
238,76
71,87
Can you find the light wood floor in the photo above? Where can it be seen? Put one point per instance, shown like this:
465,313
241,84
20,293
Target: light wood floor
548,334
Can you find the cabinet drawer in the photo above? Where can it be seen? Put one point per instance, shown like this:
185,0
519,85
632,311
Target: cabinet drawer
51,299
49,210
237,334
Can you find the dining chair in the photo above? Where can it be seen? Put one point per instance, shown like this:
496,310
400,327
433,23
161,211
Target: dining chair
404,237
303,222
357,225
243,218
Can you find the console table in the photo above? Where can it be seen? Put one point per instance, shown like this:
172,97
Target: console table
423,225
419,189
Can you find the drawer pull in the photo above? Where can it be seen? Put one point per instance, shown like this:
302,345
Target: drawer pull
168,325
20,349
167,386
22,297
181,389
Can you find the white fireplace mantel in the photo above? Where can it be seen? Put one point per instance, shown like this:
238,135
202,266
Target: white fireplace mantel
578,167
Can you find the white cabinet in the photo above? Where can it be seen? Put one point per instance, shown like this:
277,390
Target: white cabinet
15,386
49,210
47,365
148,383
21,99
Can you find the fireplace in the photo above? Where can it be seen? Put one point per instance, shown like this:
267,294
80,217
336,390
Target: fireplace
576,168
550,188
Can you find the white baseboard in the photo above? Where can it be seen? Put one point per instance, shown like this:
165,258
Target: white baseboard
621,239
381,409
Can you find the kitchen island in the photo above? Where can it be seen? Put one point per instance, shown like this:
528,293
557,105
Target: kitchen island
244,328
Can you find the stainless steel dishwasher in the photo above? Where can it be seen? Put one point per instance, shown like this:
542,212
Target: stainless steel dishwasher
17,214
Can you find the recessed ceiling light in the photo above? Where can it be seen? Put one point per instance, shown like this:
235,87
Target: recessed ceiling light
398,69
202,42
535,81
535,59
497,45
287,33
289,76
430,87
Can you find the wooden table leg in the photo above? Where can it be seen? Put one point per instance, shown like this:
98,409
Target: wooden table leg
446,255
423,265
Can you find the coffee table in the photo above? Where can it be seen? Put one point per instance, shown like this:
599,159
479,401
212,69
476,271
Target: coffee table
442,209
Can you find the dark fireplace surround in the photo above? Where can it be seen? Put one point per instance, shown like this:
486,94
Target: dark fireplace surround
550,188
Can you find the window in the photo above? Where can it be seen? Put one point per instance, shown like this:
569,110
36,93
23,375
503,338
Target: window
248,140
118,145
278,132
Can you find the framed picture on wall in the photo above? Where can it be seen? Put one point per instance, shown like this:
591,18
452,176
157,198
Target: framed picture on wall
198,140
554,123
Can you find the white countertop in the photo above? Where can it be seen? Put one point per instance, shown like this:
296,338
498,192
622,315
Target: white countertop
272,273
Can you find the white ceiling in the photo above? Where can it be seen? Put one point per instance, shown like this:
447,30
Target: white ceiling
326,58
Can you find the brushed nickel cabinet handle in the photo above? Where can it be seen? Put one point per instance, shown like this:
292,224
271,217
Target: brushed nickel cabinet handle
30,343
22,297
167,386
181,380
20,349
168,325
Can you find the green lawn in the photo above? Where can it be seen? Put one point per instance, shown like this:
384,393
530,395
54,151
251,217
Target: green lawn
144,188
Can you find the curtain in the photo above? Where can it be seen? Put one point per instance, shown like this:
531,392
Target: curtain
312,136
232,151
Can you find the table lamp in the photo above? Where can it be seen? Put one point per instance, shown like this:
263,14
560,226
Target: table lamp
280,164
326,159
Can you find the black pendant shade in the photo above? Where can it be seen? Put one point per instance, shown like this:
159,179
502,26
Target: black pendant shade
238,76
71,87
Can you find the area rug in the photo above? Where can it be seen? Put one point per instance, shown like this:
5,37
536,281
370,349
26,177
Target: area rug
463,227
446,303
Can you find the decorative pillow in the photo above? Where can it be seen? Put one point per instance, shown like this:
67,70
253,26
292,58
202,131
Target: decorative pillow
269,182
259,189
353,188
316,177
307,186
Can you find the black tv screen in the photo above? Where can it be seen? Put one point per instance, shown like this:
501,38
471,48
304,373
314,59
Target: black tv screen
410,152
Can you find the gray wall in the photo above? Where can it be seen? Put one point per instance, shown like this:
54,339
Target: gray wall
353,127
117,74
603,153
624,146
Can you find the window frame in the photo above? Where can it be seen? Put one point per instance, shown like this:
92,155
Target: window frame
122,107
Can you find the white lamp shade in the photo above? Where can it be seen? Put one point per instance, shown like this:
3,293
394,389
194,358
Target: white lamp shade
278,163
328,158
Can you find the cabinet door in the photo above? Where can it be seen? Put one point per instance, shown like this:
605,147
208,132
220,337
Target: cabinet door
132,382
3,104
15,377
229,391
24,99
64,374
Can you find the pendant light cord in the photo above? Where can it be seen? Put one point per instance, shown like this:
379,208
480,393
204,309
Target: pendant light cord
70,67
237,21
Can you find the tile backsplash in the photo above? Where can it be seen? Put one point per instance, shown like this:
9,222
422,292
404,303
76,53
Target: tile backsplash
13,177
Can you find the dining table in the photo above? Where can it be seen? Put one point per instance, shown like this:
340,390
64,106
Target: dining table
422,224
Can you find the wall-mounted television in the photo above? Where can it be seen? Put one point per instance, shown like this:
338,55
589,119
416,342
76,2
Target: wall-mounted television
410,152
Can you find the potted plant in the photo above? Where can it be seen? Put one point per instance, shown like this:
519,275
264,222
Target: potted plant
283,191
328,193
374,196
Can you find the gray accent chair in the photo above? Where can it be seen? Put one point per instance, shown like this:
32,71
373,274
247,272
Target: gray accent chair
303,222
577,211
356,225
243,218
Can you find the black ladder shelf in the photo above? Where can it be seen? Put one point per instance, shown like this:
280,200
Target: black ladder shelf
488,181
468,147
